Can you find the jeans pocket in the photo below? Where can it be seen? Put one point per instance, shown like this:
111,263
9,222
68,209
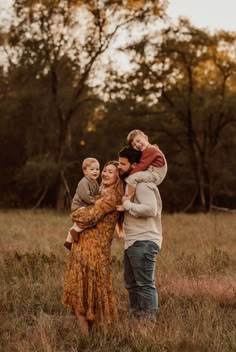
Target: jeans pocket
152,249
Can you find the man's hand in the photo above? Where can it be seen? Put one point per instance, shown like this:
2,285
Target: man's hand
126,197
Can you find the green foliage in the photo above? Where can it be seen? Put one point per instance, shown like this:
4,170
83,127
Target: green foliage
35,176
183,88
180,90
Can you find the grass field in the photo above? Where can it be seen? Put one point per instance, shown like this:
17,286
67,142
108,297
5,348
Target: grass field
195,275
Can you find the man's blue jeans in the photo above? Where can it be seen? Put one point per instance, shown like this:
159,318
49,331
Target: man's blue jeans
139,274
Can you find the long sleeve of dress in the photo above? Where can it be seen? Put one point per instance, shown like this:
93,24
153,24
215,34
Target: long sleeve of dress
91,215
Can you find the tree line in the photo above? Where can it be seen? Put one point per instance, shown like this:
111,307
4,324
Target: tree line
64,97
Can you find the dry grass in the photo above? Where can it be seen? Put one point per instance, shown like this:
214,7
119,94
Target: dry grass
195,277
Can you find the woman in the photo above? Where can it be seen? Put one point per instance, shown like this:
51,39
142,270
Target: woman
88,284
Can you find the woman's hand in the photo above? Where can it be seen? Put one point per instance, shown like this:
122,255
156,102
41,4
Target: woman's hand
124,198
120,208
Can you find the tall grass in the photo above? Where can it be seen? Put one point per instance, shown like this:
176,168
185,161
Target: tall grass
195,276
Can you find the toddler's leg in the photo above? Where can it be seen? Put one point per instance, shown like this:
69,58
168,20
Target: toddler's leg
68,242
69,238
74,231
74,234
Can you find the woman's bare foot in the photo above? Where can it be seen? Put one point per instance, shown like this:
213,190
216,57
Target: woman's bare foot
83,324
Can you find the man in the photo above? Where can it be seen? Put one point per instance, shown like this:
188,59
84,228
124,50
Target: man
143,238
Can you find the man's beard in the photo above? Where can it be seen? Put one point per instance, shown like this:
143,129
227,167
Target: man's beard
126,173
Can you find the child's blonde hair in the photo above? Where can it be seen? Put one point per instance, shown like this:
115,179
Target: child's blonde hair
133,134
88,161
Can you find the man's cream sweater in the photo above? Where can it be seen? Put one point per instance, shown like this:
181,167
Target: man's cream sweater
142,220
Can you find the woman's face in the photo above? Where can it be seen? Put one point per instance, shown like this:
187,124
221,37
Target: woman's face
109,175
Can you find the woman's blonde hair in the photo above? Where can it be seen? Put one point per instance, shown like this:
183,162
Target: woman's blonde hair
120,187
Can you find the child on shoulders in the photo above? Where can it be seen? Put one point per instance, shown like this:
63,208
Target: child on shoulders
152,166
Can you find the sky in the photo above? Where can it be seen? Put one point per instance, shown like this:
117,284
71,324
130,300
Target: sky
211,14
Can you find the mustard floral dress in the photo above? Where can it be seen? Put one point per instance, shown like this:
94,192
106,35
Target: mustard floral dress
88,281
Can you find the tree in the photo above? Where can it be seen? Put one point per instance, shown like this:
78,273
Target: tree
183,81
201,101
59,43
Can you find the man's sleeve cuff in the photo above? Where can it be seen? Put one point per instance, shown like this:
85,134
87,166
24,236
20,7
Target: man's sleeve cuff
127,204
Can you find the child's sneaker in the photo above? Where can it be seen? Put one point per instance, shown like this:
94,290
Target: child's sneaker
74,235
68,245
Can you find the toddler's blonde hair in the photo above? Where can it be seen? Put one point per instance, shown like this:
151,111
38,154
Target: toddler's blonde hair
88,161
133,134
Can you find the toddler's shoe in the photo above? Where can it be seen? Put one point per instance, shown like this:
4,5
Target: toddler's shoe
68,245
74,235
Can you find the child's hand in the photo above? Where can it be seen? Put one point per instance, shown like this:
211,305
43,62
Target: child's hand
120,208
